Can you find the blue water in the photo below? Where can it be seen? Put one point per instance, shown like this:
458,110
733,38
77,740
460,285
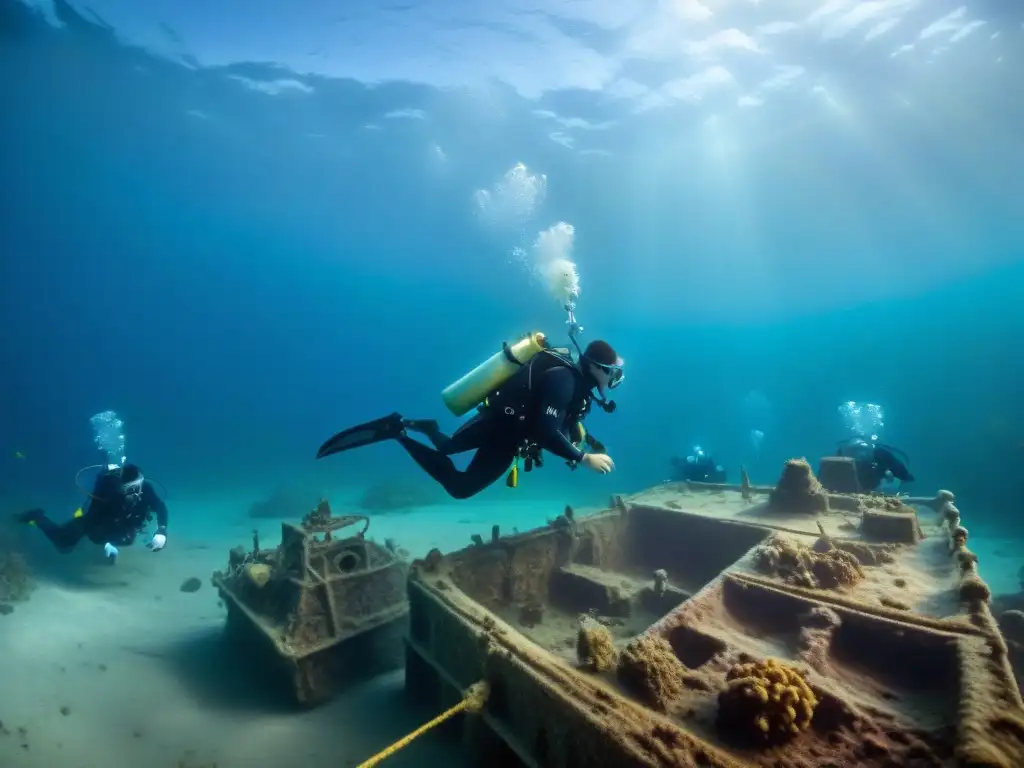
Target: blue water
241,258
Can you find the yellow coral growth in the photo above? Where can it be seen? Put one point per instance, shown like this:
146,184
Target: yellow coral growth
650,669
258,573
765,702
595,648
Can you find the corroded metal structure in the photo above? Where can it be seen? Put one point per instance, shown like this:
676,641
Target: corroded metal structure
319,610
864,615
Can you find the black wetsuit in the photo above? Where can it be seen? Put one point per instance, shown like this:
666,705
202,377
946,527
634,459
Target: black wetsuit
872,464
535,409
703,470
111,517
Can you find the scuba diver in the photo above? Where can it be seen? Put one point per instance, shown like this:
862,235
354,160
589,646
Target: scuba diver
121,503
875,462
699,467
529,398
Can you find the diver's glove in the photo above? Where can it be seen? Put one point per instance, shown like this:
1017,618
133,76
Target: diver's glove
159,540
110,551
599,462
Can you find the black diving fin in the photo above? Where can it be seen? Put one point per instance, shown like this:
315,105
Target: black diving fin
387,428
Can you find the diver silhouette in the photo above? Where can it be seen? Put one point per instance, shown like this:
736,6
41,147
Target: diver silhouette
539,405
121,503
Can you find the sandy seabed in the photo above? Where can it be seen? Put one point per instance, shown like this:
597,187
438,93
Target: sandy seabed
119,667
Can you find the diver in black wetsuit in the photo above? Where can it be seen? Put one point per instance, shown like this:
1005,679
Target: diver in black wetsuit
121,503
875,462
699,467
536,409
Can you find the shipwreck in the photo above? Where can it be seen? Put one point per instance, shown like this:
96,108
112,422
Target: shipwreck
320,610
723,626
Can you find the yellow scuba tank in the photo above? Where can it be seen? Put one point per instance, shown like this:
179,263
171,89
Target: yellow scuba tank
512,479
468,392
577,434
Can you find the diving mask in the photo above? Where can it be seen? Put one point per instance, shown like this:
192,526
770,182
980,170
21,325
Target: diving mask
615,372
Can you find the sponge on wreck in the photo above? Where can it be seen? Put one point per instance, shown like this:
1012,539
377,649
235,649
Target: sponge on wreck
650,669
595,648
797,564
765,702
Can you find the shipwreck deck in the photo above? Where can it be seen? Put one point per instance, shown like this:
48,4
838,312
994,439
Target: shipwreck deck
877,606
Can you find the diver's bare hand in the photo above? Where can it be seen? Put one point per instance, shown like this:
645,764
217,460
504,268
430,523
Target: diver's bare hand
599,462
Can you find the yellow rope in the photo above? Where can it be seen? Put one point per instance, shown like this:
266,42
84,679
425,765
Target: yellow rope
473,701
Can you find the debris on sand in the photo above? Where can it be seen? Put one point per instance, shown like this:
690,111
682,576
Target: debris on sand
191,584
15,577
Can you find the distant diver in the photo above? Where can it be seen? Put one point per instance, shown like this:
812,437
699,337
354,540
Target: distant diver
529,398
698,467
875,462
121,504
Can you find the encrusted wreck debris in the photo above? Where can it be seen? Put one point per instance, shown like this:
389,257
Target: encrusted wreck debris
794,626
15,579
320,610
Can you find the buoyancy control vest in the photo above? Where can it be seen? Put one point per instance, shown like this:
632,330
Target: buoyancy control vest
516,398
